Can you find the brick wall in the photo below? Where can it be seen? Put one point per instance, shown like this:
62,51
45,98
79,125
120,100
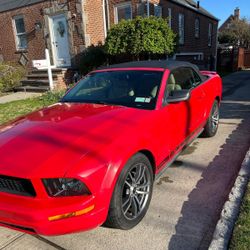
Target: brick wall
39,40
94,21
192,44
36,44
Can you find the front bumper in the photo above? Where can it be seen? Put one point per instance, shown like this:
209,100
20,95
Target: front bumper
31,215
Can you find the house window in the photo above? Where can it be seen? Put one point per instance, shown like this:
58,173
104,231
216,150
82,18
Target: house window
141,9
170,17
20,33
157,10
123,11
197,28
209,34
181,29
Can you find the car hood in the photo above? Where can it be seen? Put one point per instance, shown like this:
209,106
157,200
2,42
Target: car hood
48,142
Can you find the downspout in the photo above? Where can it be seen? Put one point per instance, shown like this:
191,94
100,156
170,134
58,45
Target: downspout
104,18
148,8
86,41
216,47
107,14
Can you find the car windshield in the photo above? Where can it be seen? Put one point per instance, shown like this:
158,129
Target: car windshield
131,88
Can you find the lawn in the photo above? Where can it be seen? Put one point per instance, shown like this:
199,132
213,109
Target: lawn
11,110
241,234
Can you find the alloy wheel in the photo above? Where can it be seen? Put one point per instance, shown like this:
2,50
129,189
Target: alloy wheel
215,118
136,191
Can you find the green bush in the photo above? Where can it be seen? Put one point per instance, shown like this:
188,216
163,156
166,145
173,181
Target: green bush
92,58
141,36
51,97
10,76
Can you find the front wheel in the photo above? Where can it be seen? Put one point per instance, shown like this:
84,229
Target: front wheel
212,124
132,194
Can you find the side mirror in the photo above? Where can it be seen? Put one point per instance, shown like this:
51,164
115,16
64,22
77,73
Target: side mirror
178,96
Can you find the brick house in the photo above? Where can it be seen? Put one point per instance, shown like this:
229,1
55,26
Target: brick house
227,23
196,27
67,27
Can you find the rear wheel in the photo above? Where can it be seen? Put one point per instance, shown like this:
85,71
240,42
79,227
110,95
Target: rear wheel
212,124
132,194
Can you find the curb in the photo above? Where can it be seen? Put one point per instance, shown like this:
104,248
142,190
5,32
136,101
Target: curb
231,208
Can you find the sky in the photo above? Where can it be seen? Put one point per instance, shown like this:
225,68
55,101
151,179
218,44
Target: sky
222,9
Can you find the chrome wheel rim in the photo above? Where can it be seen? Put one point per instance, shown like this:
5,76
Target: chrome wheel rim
215,118
136,191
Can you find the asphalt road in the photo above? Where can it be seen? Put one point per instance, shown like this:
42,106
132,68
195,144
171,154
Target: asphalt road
187,199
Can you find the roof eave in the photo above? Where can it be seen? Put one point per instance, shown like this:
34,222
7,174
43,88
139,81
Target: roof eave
29,3
196,10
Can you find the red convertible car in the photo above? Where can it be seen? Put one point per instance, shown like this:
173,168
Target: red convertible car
92,158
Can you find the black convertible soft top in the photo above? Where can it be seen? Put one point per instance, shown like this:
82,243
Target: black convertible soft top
164,64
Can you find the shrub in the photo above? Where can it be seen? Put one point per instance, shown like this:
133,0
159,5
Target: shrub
92,58
51,97
10,76
141,36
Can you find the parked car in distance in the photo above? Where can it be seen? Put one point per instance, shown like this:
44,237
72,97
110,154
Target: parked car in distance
92,158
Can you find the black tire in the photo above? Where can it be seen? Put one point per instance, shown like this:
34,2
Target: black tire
117,215
212,124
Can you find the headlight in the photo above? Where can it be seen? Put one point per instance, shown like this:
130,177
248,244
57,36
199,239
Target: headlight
65,187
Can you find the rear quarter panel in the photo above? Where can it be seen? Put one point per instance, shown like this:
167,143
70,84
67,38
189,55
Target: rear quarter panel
213,89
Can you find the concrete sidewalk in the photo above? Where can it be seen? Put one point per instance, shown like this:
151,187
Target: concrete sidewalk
17,96
10,239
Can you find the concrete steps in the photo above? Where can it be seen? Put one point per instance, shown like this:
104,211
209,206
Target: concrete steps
40,76
37,80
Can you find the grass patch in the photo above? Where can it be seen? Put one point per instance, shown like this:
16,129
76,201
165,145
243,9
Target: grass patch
241,233
11,110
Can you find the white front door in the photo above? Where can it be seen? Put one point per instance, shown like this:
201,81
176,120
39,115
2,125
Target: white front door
60,41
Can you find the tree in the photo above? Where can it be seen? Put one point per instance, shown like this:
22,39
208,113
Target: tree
92,58
237,34
140,37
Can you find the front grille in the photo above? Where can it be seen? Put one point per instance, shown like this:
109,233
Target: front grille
16,186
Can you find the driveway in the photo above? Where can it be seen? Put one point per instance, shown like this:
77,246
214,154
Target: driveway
187,199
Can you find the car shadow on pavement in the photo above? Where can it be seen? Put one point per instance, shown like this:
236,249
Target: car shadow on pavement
200,213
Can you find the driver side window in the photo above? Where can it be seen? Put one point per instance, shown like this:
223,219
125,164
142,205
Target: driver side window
184,78
171,86
180,79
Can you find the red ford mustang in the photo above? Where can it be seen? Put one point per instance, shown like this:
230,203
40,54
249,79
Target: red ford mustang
93,157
